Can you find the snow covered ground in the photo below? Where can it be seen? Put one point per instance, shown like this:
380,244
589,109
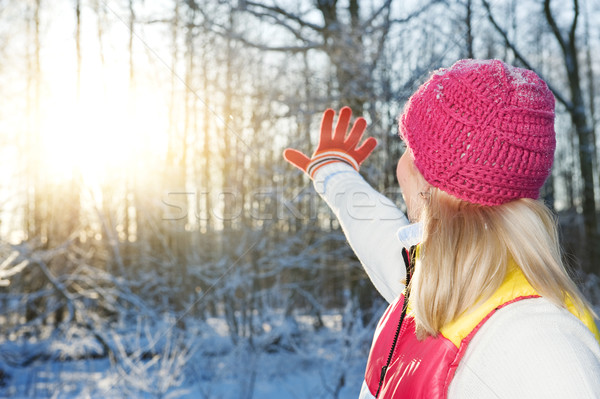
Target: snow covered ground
289,359
169,356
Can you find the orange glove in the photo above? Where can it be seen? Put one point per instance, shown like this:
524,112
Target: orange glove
337,147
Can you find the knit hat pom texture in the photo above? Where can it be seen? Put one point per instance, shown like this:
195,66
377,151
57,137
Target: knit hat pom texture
482,131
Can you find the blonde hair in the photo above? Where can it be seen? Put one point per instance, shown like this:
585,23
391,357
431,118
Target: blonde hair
465,253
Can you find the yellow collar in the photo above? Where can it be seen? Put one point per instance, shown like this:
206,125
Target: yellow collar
515,286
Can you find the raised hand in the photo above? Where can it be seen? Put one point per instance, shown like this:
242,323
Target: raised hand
335,146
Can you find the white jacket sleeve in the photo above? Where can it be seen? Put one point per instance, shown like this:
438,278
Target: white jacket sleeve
375,228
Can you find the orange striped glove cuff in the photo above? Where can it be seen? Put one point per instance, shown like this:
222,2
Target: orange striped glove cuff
325,158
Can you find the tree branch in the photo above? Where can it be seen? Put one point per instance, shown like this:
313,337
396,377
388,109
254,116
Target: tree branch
278,10
384,6
74,307
58,286
575,19
381,43
281,23
563,100
6,273
418,12
554,26
224,32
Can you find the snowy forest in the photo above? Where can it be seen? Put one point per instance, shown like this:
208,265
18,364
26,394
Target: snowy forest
153,241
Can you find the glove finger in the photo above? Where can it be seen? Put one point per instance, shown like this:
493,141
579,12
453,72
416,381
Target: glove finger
356,133
365,149
326,125
296,158
342,127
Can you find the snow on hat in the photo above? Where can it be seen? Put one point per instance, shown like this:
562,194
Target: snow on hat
482,131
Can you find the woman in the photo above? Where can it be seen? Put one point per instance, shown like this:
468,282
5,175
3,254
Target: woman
488,309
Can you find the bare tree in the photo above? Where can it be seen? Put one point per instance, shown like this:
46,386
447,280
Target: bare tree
340,36
575,106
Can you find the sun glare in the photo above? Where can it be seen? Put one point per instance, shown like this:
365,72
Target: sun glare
102,135
100,126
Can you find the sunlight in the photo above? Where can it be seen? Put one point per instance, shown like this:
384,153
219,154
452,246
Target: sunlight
104,134
105,131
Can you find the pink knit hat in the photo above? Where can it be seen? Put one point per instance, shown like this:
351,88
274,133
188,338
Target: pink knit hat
482,131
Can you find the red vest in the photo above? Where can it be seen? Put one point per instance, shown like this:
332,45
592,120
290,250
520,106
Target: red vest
424,369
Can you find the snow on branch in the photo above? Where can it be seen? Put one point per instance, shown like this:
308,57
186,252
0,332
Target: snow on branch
7,271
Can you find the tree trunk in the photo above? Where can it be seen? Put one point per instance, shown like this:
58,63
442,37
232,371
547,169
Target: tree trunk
468,23
585,134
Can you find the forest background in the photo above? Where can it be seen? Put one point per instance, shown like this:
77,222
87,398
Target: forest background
149,227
